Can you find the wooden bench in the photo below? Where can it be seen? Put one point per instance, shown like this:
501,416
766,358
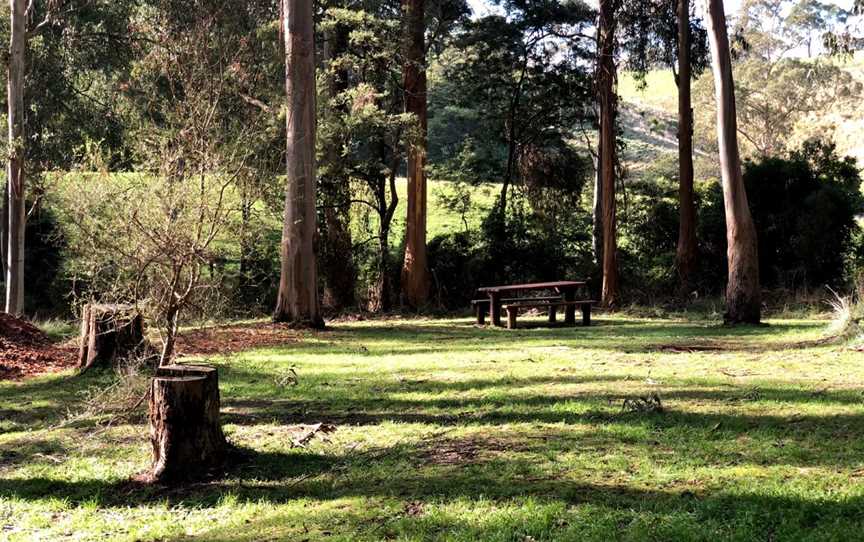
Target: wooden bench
512,309
481,306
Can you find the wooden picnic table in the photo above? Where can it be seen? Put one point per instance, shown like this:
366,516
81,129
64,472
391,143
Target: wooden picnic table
567,288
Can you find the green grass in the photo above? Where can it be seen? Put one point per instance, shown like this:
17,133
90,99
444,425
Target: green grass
57,329
441,220
661,91
449,432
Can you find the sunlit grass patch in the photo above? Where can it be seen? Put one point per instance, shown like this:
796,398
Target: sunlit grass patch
446,431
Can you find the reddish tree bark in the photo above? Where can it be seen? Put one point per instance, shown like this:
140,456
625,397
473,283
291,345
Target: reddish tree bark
743,296
686,253
606,76
298,301
415,272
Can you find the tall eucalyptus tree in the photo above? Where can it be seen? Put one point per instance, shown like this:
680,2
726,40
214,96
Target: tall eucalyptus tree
19,11
415,271
662,33
298,298
743,296
607,160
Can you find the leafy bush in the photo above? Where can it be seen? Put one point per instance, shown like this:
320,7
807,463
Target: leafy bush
648,239
534,243
804,207
44,242
42,267
456,264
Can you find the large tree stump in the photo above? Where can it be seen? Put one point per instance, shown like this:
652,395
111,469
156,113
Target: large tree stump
109,333
185,432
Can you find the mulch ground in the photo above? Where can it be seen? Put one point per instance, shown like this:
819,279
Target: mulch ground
27,351
234,338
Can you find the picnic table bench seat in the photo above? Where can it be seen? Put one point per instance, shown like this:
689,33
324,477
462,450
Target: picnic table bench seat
513,308
481,306
565,291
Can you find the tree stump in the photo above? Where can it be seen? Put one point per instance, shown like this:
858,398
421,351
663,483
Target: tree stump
109,333
185,431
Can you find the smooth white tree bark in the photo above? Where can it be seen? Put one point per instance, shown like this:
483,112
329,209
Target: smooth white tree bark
15,165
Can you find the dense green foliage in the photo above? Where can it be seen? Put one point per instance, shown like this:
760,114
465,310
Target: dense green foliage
125,86
805,208
804,205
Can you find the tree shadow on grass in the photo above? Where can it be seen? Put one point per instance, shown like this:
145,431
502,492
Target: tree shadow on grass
461,470
616,513
807,440
245,467
30,449
47,399
604,334
618,335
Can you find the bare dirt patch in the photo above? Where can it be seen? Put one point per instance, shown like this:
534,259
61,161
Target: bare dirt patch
690,348
26,351
468,450
235,338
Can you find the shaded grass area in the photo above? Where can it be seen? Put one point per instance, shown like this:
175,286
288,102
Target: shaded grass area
450,432
58,330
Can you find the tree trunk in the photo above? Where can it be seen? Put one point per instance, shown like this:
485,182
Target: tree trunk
415,271
15,167
4,226
606,93
340,273
597,204
109,333
597,212
185,431
686,253
245,248
379,300
337,259
298,301
170,340
743,297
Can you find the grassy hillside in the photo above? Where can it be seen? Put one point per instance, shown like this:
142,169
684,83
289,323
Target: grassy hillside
442,218
656,105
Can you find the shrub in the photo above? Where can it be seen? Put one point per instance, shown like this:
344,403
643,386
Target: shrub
848,320
530,245
45,290
804,207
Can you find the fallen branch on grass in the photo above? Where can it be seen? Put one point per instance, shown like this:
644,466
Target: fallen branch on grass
649,403
306,437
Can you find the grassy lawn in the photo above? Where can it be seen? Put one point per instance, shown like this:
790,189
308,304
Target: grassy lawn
449,432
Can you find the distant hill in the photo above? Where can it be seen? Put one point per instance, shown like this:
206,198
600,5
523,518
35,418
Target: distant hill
649,122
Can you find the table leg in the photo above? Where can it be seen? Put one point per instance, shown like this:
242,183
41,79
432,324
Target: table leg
570,310
495,308
480,309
